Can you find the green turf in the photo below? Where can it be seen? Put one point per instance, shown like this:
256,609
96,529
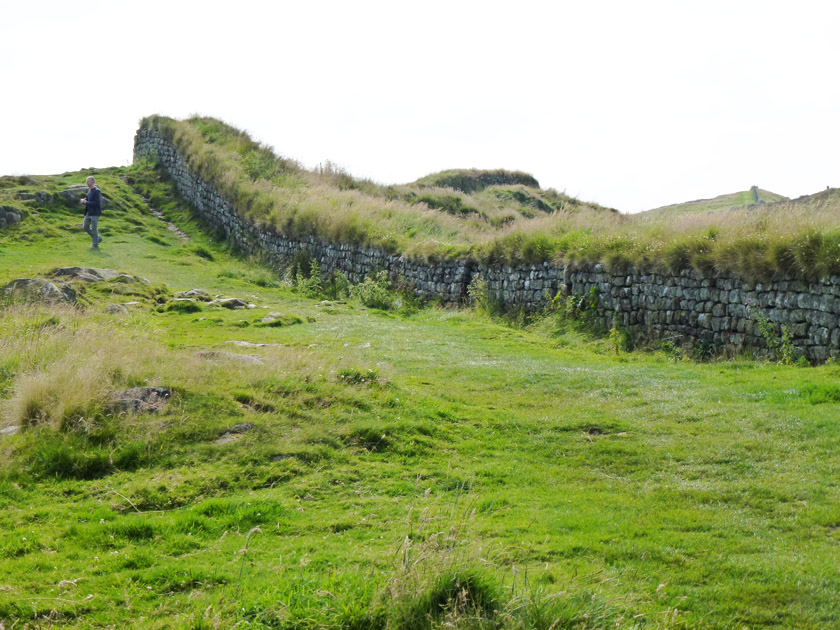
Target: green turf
434,468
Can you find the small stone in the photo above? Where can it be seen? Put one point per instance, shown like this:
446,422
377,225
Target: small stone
227,438
139,400
116,309
230,303
196,294
243,427
11,430
234,433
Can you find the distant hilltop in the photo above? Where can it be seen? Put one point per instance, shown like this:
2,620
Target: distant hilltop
753,196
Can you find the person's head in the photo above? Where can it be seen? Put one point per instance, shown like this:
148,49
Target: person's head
90,181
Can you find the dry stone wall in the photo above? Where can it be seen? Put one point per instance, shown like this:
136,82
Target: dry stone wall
719,313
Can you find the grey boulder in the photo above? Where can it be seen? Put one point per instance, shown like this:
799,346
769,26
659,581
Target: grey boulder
86,274
9,215
39,290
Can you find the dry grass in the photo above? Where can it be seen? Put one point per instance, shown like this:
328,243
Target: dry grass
67,363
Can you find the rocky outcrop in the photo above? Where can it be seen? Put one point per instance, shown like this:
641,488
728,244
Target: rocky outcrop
10,215
39,290
85,274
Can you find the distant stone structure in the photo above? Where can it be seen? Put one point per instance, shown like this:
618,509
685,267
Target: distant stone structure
715,312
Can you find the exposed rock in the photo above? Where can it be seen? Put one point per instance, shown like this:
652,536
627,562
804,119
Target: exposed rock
234,433
87,274
246,344
39,290
139,400
73,195
196,294
116,309
11,430
217,355
9,215
231,303
41,197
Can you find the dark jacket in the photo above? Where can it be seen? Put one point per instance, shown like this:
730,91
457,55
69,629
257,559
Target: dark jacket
93,207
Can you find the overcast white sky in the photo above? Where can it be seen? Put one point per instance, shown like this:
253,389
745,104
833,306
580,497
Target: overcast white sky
630,104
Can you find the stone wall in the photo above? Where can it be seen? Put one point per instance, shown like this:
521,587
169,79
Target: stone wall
688,309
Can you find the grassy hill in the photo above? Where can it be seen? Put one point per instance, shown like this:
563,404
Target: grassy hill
336,465
719,203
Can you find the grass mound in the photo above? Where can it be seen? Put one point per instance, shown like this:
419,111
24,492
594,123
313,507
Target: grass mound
473,180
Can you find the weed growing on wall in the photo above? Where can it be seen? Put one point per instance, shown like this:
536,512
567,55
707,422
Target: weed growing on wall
479,295
375,292
309,282
780,346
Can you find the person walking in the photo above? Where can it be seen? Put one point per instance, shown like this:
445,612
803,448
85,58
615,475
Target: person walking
93,210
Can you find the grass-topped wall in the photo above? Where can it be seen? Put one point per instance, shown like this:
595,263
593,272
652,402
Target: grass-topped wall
685,306
505,217
457,214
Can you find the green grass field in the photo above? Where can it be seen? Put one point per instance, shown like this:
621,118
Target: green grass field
410,468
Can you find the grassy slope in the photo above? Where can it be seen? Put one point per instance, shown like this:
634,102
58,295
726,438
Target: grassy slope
717,204
605,491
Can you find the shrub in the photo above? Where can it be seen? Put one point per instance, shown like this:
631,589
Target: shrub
337,286
479,294
375,292
309,284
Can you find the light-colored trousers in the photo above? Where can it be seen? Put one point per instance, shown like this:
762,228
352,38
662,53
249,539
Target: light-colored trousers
91,226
